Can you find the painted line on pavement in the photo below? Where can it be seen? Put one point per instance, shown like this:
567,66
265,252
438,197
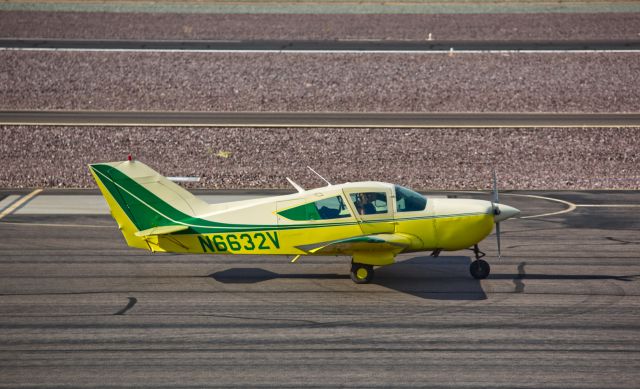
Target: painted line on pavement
7,201
570,206
20,202
319,119
56,225
609,205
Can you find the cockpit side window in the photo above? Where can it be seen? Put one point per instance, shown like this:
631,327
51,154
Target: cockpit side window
408,200
332,208
329,208
370,203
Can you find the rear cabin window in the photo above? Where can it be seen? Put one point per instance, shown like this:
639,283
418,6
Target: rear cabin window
330,208
370,203
408,200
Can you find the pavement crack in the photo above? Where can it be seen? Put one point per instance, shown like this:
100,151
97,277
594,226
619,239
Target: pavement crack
130,304
621,241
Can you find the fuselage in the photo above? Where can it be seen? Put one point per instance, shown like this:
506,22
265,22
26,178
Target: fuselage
293,224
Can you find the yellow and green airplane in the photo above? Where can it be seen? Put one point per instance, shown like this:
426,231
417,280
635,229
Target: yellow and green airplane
371,222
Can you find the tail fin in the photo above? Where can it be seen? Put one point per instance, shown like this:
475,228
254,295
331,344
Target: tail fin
141,200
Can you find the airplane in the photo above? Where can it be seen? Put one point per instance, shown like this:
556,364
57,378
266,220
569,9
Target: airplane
371,222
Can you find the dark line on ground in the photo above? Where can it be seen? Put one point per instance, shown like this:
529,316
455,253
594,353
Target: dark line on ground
336,292
210,326
621,241
319,45
132,302
223,350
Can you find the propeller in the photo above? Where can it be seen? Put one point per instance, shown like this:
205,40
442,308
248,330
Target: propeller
495,201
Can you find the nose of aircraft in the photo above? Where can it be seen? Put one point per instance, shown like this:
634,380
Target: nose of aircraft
506,212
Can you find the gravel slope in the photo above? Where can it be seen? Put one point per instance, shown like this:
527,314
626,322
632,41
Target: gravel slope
445,159
320,82
258,158
24,24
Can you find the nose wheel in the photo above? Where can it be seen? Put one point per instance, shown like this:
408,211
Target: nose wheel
479,268
361,274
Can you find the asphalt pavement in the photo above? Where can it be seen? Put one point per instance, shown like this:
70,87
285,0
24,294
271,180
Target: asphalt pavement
346,45
78,308
319,119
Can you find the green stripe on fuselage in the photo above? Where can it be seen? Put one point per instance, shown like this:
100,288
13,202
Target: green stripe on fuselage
146,210
124,191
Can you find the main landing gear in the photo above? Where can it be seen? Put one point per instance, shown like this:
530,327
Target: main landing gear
479,268
361,274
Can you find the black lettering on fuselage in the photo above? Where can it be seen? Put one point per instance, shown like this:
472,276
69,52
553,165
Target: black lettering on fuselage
243,242
205,242
274,239
248,241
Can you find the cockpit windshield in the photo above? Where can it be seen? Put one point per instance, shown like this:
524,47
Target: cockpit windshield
408,200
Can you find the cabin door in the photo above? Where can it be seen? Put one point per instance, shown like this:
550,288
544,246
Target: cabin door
373,210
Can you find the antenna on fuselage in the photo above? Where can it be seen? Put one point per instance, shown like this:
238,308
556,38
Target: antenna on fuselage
298,187
317,174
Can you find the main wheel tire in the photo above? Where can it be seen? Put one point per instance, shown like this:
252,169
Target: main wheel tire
361,274
479,269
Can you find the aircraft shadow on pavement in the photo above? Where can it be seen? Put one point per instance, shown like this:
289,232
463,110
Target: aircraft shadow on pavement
442,278
564,277
252,275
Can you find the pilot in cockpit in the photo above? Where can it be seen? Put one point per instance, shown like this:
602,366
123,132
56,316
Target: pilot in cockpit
366,206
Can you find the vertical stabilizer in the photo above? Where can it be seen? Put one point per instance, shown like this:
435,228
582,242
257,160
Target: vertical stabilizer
141,199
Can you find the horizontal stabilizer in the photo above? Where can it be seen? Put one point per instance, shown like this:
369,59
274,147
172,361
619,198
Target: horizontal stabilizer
184,179
161,230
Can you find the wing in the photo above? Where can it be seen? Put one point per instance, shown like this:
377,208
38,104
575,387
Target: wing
387,243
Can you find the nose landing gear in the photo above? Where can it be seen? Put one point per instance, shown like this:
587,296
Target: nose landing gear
479,268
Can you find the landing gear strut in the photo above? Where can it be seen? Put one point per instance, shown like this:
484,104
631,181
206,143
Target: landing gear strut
479,268
361,274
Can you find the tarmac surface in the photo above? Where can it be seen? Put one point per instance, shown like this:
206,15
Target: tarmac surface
320,119
560,309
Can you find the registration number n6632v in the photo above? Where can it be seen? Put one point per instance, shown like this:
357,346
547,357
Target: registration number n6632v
246,241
